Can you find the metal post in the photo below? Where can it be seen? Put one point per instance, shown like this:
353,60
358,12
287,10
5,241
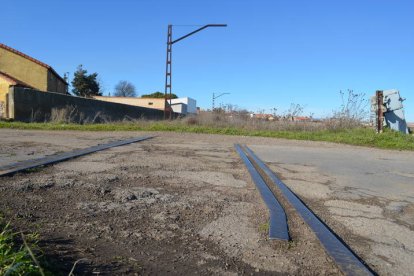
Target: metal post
380,113
168,74
215,97
168,70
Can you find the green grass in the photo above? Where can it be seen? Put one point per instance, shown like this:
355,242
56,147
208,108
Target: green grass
264,227
17,258
359,136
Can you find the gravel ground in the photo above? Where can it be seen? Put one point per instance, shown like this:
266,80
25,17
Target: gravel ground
177,204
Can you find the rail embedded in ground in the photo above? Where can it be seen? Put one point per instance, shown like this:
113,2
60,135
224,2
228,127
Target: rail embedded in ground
22,166
347,260
278,228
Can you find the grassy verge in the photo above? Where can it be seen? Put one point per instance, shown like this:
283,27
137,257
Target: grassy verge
16,253
358,136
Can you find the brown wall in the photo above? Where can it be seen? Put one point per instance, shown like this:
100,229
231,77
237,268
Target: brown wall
30,72
23,69
155,103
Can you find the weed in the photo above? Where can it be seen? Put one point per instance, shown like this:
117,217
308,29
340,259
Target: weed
264,227
292,244
352,113
17,258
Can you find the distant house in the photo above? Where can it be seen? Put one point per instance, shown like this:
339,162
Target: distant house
411,127
301,119
184,105
260,116
181,105
155,103
18,69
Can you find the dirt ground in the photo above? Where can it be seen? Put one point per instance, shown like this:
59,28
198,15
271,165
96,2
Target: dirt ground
177,204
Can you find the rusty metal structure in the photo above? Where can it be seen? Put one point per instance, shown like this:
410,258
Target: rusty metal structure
387,110
380,112
168,69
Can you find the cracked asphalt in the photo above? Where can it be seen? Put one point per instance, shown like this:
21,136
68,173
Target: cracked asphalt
365,195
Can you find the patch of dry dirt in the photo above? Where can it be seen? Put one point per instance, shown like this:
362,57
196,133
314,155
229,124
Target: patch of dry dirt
177,204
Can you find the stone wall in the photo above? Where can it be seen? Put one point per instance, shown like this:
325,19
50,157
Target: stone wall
29,105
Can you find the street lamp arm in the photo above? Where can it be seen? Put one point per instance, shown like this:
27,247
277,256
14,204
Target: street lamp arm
196,31
215,97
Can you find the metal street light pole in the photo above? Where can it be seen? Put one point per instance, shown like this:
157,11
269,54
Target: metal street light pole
168,70
215,97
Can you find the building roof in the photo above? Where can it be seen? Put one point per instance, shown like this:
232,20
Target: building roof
33,60
302,118
134,98
14,81
263,116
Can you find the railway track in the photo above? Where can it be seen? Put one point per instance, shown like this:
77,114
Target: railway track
346,260
26,165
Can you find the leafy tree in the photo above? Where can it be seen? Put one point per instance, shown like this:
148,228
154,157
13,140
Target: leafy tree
84,84
159,95
125,89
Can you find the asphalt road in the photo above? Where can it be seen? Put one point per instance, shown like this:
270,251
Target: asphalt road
365,195
388,174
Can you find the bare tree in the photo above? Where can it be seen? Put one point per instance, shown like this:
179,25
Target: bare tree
125,89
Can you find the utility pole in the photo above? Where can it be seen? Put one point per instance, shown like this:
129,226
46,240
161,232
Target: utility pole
215,97
168,73
168,70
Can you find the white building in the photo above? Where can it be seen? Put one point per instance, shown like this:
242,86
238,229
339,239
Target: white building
184,105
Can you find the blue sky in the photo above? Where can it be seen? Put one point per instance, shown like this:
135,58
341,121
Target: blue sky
273,53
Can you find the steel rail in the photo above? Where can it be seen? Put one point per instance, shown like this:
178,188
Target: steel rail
11,169
347,260
278,228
